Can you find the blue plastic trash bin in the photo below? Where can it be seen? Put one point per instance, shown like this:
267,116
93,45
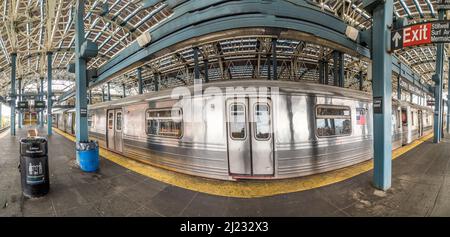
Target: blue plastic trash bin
87,156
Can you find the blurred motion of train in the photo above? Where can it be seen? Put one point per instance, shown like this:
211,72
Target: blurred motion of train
295,130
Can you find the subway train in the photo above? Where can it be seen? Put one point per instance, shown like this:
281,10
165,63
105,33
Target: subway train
253,129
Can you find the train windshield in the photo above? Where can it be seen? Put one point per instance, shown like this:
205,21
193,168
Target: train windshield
333,121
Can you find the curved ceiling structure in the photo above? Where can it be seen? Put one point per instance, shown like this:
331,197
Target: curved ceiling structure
31,28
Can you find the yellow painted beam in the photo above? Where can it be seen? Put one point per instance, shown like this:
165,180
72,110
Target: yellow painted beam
246,188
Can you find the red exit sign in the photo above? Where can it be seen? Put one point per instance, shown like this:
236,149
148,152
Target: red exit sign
417,35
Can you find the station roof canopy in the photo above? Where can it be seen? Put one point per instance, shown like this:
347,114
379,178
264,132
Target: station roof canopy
31,28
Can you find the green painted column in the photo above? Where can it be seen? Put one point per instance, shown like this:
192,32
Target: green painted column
382,94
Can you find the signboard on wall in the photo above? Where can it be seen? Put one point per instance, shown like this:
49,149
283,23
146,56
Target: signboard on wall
443,4
22,105
38,104
418,34
378,105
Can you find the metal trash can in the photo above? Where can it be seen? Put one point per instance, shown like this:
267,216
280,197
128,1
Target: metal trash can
33,166
87,156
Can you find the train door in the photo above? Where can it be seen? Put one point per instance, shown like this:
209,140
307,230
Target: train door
114,134
118,130
110,132
73,123
250,136
420,122
405,125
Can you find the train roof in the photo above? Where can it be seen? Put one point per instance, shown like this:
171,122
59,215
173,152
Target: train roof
284,87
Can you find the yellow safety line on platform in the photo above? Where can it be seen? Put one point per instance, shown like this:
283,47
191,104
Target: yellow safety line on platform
246,188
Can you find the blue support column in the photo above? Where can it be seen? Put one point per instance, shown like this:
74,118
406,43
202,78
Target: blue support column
19,119
321,72
336,68
205,62
361,80
109,91
448,100
399,79
80,74
49,94
103,94
274,59
438,78
41,97
382,92
196,67
13,94
139,77
341,69
157,81
1,118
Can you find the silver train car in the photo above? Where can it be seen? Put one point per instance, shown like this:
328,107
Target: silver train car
410,122
295,129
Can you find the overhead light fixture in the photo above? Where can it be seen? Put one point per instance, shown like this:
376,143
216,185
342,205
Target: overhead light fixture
351,32
144,39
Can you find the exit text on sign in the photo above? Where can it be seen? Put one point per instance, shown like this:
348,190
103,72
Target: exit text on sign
418,34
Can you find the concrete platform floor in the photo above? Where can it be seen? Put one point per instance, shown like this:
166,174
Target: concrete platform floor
420,187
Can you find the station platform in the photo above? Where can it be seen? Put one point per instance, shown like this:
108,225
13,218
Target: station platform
420,187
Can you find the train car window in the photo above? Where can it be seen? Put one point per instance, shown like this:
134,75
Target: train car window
404,119
361,116
164,122
90,120
333,121
237,121
262,121
119,121
110,120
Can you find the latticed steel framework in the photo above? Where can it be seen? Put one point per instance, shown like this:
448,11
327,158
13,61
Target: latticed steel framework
31,28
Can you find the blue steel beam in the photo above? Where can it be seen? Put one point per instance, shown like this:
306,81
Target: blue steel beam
13,94
419,9
382,92
195,18
430,6
438,79
80,74
49,94
406,9
328,27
